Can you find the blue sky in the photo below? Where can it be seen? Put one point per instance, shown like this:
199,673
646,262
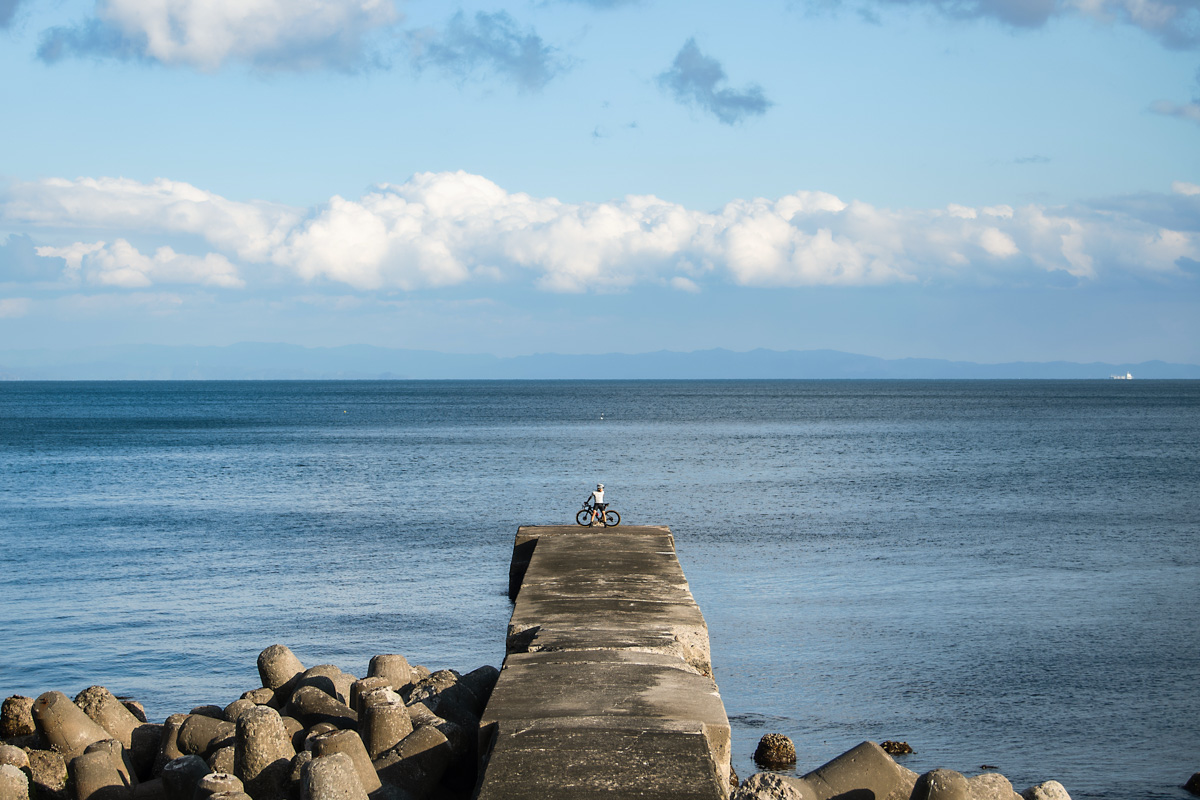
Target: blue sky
991,180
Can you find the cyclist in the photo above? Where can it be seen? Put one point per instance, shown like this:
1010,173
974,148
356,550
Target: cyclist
596,500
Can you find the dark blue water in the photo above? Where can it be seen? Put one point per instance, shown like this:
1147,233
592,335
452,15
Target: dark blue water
997,572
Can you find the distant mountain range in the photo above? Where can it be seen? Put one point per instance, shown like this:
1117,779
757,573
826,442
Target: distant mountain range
255,361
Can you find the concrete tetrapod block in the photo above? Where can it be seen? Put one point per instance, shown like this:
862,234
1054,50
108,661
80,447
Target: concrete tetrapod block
325,677
201,734
168,746
180,776
385,721
216,783
278,667
480,682
48,774
209,710
612,690
16,717
263,753
416,764
461,741
223,759
991,786
942,784
766,786
143,752
135,708
317,731
328,678
96,777
120,758
152,789
14,756
1047,790
349,743
391,667
331,777
865,769
64,726
310,705
364,685
296,730
296,772
14,783
263,697
237,708
109,713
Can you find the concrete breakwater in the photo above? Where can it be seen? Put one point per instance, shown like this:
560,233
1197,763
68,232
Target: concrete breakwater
400,733
606,689
606,686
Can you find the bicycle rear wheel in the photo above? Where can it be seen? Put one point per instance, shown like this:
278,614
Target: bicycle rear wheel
611,518
584,517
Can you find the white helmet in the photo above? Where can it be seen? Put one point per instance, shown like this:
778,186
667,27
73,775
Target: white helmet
600,487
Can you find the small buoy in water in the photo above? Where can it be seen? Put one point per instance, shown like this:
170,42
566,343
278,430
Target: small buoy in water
344,411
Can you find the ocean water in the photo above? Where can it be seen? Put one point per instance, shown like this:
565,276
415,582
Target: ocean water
1001,573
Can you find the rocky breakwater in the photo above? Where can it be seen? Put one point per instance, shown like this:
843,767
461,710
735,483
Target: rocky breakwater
868,771
400,733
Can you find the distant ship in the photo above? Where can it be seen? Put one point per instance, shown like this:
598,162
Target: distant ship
1128,376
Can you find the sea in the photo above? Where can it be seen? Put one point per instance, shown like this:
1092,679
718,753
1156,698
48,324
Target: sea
1000,573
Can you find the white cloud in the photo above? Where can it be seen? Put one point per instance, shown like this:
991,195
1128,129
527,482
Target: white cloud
1185,189
445,229
997,243
120,264
293,34
73,254
684,284
250,231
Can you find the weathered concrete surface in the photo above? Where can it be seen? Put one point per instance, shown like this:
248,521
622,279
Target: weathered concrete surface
620,589
606,688
864,771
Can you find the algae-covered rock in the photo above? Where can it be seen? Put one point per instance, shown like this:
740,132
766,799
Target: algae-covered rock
775,751
16,717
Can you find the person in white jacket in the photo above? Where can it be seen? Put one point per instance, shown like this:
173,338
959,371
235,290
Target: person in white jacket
596,501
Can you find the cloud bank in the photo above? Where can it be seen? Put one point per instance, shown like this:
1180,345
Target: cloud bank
207,34
456,229
695,79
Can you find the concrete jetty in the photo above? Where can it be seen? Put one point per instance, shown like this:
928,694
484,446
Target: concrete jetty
607,686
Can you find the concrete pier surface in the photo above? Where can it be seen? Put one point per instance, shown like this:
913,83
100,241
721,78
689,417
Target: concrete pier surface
607,686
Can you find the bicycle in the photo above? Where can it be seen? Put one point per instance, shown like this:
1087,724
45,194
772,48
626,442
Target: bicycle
611,518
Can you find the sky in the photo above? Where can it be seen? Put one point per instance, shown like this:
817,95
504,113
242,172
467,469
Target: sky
982,180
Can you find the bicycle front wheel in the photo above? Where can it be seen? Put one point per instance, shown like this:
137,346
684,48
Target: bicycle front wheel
584,517
611,518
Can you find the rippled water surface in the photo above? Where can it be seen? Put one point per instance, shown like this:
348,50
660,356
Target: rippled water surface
999,573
